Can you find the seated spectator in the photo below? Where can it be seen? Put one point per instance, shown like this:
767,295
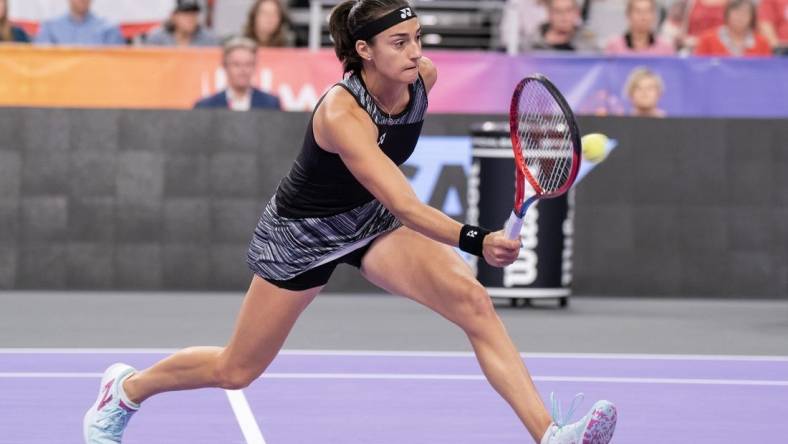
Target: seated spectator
268,24
640,37
8,32
183,28
644,88
240,63
79,27
738,36
773,18
563,32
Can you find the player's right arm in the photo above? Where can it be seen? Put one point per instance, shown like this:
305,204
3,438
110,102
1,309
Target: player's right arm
343,128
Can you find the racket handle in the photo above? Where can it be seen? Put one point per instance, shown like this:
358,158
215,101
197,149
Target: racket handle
512,227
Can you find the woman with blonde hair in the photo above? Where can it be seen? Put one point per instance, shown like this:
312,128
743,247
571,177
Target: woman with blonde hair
644,88
8,32
268,24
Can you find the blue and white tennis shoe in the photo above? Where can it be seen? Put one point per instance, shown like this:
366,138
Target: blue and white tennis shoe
596,427
106,420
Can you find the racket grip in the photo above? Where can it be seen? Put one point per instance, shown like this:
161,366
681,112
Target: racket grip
512,227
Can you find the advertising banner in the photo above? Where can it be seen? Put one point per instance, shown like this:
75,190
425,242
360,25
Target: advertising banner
468,82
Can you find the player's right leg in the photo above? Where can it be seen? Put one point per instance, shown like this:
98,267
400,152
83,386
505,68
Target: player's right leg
267,315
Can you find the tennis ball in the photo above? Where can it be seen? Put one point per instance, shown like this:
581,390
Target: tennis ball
594,147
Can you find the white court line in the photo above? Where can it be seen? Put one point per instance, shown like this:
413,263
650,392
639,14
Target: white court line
444,377
245,417
418,354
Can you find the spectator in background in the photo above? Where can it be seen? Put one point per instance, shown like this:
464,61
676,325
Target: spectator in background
644,88
738,36
8,32
240,62
640,37
183,28
268,24
563,32
79,27
773,18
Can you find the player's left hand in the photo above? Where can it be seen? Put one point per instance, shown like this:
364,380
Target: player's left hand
499,251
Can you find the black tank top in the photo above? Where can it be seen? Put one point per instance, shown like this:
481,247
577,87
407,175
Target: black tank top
319,184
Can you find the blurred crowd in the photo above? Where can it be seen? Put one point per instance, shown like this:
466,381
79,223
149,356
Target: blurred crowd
649,27
613,27
267,24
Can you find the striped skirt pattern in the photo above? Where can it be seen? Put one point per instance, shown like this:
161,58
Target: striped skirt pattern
283,248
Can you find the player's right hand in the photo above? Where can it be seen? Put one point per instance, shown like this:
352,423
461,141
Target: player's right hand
499,251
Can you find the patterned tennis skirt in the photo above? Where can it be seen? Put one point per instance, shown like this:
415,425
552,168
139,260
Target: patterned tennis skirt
283,248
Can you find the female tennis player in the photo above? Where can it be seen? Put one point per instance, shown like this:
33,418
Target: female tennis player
345,201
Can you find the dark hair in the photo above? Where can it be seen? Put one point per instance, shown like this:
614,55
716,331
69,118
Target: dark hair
281,33
351,15
169,25
734,4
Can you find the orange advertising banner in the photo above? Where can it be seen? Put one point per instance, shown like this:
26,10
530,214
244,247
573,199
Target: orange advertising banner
152,77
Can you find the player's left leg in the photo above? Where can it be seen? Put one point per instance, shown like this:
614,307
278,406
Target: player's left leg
439,279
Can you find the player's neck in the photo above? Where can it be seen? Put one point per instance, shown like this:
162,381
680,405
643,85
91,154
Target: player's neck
386,93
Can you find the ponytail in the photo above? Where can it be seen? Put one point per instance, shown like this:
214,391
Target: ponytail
344,44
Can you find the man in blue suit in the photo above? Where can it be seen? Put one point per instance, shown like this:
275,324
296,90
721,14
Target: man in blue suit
240,61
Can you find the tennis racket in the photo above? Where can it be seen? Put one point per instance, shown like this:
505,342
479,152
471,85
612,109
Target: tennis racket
546,144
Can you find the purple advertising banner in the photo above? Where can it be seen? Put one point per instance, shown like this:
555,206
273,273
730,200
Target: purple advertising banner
469,82
475,82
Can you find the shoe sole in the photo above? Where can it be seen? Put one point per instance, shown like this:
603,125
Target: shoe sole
602,424
110,373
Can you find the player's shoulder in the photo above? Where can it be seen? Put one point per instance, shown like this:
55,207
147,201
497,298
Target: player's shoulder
428,72
339,119
337,105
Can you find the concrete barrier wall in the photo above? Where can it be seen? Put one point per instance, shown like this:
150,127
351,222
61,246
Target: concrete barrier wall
168,200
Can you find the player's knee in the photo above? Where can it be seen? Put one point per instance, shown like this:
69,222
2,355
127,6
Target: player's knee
229,377
475,306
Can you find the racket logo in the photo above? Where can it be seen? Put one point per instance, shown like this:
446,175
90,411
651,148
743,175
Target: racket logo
406,12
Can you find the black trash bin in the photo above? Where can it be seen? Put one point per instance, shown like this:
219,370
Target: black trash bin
544,267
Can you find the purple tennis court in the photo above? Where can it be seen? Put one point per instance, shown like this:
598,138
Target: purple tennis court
395,397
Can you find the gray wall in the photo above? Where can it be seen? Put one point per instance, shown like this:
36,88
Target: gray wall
168,199
686,207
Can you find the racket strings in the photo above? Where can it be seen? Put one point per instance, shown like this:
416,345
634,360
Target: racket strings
545,138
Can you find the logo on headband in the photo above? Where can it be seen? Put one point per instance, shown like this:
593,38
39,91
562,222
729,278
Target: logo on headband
387,21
